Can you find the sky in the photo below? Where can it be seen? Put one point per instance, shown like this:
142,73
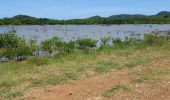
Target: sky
70,9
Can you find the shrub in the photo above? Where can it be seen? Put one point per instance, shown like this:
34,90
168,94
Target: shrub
9,39
105,41
32,46
13,45
51,45
67,48
117,41
151,39
86,44
56,45
10,53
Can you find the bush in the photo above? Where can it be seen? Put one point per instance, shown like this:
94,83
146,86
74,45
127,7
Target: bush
152,40
56,45
13,45
105,41
67,48
51,45
9,39
32,46
9,53
46,45
86,44
117,41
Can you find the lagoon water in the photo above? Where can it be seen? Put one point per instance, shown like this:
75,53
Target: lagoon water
73,32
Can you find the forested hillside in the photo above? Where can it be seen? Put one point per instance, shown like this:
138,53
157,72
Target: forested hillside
160,18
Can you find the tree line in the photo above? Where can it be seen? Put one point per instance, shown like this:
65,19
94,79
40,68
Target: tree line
160,18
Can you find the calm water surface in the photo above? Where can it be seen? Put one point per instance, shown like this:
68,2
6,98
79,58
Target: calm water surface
73,32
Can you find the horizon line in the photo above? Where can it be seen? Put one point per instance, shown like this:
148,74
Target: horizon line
86,17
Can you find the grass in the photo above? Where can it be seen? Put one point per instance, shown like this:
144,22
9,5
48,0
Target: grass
113,90
154,75
35,72
48,79
38,61
130,62
105,66
13,94
137,60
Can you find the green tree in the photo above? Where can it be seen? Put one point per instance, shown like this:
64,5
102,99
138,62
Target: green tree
13,46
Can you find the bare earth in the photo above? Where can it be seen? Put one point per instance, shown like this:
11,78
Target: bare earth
92,88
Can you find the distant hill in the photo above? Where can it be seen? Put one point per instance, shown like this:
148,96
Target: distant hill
126,16
163,14
23,17
95,17
162,17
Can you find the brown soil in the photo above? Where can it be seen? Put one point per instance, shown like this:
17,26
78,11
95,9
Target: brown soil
91,88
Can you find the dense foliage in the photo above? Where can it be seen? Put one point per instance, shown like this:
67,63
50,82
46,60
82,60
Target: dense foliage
56,46
86,44
160,18
12,46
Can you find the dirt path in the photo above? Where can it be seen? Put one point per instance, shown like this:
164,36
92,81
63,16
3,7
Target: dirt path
91,88
162,94
83,89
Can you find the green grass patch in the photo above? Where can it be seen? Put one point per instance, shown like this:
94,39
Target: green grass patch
105,66
137,60
112,91
70,71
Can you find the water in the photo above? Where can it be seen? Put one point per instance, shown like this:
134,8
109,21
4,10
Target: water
73,32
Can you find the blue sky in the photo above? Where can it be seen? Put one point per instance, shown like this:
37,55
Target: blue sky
68,9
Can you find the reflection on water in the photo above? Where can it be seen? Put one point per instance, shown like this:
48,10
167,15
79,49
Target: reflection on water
73,32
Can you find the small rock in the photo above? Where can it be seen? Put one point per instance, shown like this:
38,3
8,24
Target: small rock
70,94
